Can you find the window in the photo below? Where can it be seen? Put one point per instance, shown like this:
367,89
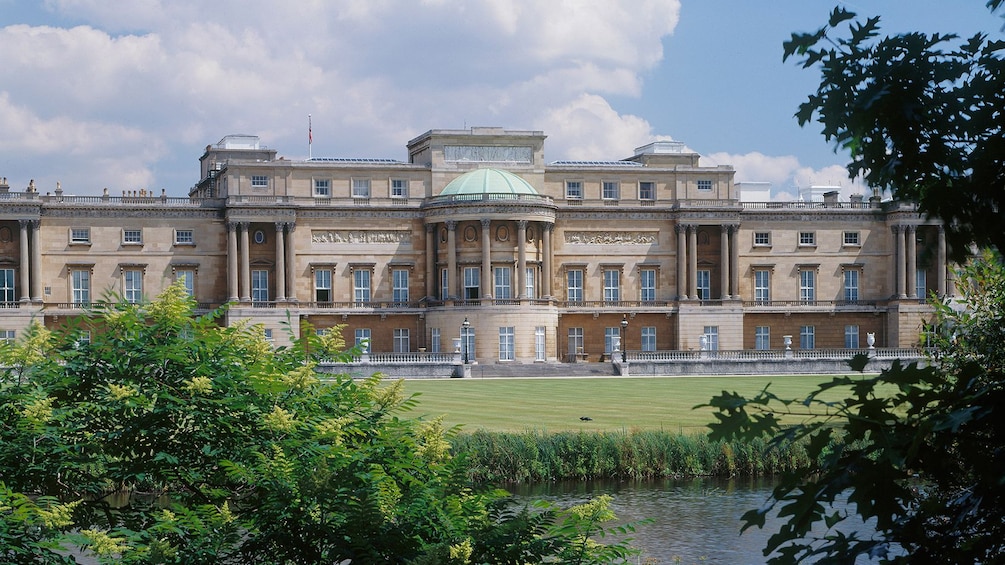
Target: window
267,334
647,190
574,288
472,283
259,285
506,345
361,188
132,237
80,236
8,336
762,239
762,337
851,238
80,287
184,237
647,283
399,188
530,282
444,284
704,279
807,238
612,285
362,338
649,338
540,344
921,283
259,181
574,189
807,285
807,337
7,285
434,341
576,341
610,190
399,286
467,343
322,285
401,344
187,279
361,286
851,285
704,185
322,188
851,337
503,290
711,334
612,339
132,285
762,286
258,237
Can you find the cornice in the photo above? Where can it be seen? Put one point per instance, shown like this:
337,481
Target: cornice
98,212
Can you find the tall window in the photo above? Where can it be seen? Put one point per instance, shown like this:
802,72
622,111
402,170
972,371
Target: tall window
506,345
399,285
647,282
435,345
132,285
7,285
610,190
574,189
574,286
612,339
762,337
762,286
468,342
444,283
711,334
323,285
362,336
921,283
540,344
851,337
361,188
361,286
322,188
187,279
807,337
576,341
530,288
704,277
259,285
612,285
851,285
401,343
647,190
80,287
472,283
399,188
649,338
503,286
807,285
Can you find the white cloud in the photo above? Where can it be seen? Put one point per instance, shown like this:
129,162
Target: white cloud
786,175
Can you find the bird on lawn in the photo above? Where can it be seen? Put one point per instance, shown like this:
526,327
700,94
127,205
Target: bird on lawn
586,418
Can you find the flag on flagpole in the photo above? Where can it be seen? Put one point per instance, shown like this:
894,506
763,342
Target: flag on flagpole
310,134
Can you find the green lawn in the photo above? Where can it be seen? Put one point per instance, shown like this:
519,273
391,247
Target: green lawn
552,405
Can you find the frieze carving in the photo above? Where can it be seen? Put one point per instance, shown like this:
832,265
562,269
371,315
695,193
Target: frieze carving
612,238
361,236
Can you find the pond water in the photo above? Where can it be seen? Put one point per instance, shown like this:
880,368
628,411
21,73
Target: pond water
695,521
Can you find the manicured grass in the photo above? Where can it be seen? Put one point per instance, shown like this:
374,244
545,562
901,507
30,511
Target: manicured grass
555,405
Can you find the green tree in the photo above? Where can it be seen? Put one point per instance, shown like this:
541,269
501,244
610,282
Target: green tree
229,451
920,451
921,115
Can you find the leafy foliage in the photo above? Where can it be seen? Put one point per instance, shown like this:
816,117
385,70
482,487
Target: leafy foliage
920,114
924,462
144,434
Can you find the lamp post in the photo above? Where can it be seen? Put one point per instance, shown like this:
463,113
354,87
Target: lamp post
624,328
464,338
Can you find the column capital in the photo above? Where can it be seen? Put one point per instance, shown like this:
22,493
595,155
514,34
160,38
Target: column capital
486,222
430,228
451,225
522,224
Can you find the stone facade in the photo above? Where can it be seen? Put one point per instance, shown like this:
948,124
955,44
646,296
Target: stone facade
655,248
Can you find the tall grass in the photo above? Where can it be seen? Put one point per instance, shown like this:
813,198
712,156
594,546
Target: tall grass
531,456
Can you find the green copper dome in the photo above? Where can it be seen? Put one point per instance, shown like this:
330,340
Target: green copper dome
487,181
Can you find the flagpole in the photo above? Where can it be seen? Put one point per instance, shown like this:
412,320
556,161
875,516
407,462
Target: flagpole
310,139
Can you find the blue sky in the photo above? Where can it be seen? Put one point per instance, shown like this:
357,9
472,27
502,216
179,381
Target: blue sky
127,94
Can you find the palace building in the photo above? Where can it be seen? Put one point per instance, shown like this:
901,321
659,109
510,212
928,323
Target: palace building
546,261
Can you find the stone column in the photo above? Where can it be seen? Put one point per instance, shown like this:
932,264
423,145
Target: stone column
900,233
521,261
25,225
245,267
724,259
912,262
280,261
486,258
430,261
681,230
291,263
940,261
692,257
36,260
232,262
734,260
452,259
546,230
